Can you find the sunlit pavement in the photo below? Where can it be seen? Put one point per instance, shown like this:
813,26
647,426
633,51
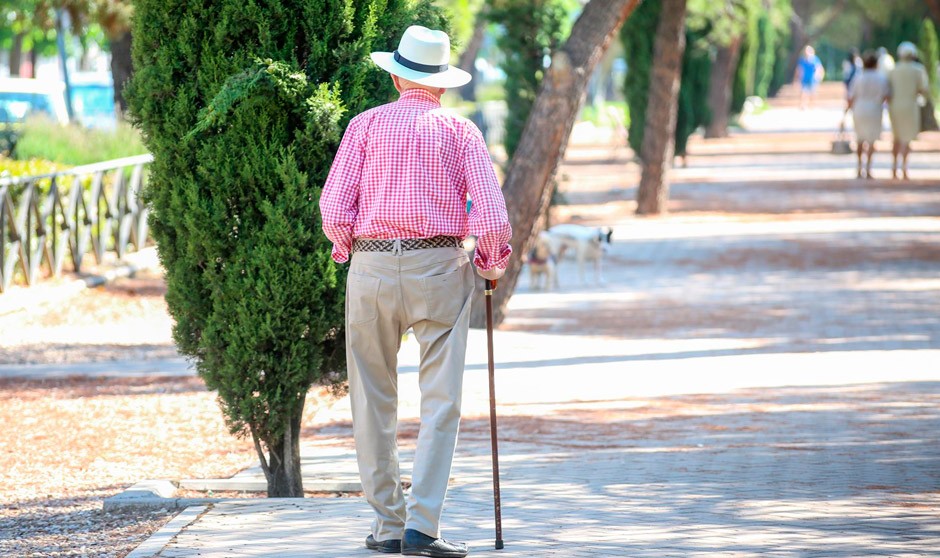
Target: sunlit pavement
758,376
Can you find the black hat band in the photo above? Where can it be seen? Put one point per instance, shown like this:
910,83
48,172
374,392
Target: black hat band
417,66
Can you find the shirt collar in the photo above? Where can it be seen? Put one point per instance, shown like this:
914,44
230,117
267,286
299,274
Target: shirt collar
418,96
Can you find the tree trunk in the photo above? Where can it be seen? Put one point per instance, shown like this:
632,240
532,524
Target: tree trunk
528,184
121,69
16,54
468,58
659,135
719,88
798,40
281,466
802,36
33,62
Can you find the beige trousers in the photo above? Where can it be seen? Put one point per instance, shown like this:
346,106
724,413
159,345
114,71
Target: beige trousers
386,294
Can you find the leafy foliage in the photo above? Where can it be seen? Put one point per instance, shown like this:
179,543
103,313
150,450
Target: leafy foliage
638,36
693,93
29,167
242,104
745,73
929,55
74,145
532,30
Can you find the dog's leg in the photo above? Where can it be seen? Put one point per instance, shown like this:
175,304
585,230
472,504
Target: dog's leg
581,257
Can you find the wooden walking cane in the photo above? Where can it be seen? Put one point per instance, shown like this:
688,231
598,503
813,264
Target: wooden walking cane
490,285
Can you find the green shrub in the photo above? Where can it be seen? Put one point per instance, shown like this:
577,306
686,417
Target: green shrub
29,167
929,55
242,105
73,145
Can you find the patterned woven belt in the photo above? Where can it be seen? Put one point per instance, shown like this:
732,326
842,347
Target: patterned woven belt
376,245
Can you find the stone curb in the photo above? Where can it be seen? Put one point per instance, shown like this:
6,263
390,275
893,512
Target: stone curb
157,541
157,494
152,494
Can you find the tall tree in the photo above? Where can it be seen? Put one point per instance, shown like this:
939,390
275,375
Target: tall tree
745,74
242,105
930,55
719,88
528,182
638,35
114,17
659,135
532,30
693,92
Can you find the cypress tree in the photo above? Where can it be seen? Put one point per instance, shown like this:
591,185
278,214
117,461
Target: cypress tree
242,105
766,54
532,30
744,76
780,77
929,55
693,93
637,36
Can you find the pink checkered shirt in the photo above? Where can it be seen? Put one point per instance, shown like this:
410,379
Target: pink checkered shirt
404,170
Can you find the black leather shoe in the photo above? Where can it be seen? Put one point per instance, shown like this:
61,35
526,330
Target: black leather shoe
391,546
416,543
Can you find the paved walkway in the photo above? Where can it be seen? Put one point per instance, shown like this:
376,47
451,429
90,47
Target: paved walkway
759,383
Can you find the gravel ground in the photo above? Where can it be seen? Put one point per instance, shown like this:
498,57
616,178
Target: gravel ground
70,443
124,320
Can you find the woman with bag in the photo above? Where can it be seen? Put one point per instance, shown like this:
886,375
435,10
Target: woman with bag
907,80
867,95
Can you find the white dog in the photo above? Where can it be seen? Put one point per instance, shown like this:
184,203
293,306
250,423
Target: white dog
587,243
541,260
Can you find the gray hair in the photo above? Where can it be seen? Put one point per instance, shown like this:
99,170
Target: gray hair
907,50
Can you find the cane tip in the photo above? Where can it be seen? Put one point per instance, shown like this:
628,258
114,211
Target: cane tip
499,544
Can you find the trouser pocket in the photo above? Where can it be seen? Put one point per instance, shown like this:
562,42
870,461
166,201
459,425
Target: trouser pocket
362,298
445,294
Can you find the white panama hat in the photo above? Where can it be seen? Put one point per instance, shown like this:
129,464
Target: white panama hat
423,56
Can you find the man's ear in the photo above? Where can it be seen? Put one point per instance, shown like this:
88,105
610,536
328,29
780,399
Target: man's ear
396,82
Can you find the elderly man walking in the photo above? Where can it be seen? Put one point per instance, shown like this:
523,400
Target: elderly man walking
394,205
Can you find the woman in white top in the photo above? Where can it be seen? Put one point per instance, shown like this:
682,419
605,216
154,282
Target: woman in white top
908,79
867,95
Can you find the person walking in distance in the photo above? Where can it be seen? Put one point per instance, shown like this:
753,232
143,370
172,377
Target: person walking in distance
867,96
809,72
394,205
907,80
851,68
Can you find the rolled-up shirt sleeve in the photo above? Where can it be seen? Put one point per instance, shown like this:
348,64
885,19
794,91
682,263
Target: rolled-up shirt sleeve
339,201
488,220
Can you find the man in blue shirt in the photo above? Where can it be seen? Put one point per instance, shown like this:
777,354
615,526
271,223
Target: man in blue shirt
809,72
